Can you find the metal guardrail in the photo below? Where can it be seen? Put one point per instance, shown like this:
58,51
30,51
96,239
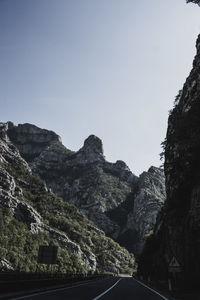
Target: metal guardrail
12,281
43,275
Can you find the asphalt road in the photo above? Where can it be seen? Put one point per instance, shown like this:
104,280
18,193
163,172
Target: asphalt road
105,289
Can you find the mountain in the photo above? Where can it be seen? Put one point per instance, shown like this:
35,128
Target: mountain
148,201
177,230
32,215
123,205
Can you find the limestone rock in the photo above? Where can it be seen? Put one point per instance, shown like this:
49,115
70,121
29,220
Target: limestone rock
147,203
27,198
30,139
109,194
177,230
5,265
92,145
8,152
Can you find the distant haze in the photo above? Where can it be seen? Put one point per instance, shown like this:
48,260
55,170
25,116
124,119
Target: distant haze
106,67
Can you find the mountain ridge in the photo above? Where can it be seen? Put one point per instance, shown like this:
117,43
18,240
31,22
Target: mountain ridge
95,186
31,215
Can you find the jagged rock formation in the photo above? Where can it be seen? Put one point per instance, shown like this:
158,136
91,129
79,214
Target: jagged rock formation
109,194
177,231
31,140
147,203
31,215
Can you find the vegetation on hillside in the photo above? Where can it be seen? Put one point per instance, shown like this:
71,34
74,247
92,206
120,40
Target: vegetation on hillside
20,246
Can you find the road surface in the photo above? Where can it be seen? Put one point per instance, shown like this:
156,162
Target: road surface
105,289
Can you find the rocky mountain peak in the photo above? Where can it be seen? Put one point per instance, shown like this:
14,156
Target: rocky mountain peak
93,144
29,132
3,130
108,193
92,151
30,139
153,169
120,164
37,215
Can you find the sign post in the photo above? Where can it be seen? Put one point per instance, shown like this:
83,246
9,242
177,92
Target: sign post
174,268
174,265
47,255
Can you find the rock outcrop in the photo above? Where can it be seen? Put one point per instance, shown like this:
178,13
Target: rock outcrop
109,194
147,203
177,231
31,140
5,265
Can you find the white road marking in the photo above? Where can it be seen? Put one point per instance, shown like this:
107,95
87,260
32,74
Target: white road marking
163,297
107,290
50,291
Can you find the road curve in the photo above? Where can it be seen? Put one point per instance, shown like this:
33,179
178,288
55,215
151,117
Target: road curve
105,289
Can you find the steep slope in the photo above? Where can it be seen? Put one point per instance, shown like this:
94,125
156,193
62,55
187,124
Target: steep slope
177,231
109,194
31,215
147,203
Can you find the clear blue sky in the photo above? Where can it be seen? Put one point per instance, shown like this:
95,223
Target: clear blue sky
106,67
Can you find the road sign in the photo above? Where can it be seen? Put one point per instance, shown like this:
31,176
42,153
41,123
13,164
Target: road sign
174,265
47,255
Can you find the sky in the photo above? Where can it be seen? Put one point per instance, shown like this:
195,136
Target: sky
106,67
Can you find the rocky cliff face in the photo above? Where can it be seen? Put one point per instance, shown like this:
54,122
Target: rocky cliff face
31,215
109,194
177,231
147,203
31,140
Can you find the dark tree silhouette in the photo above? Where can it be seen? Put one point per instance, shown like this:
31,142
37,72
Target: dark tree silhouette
193,1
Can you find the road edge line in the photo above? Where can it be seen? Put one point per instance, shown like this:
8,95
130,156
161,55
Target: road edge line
107,290
151,289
